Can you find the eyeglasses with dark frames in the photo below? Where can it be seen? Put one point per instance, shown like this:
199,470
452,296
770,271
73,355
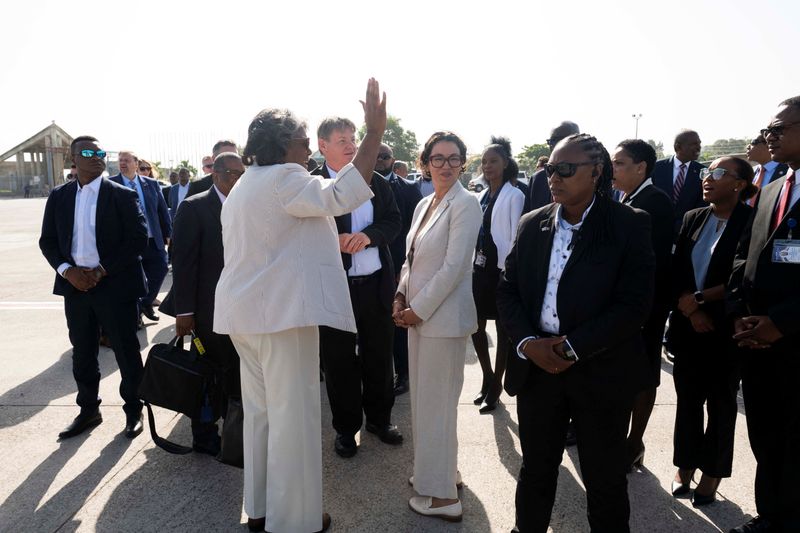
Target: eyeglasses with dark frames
454,161
564,169
777,131
92,153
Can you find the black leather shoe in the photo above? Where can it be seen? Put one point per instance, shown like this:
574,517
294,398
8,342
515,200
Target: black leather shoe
209,447
680,489
133,427
81,423
149,312
699,500
345,445
572,438
487,407
400,386
388,433
256,524
758,524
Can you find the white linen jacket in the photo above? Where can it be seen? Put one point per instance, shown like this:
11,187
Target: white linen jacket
282,268
438,285
506,213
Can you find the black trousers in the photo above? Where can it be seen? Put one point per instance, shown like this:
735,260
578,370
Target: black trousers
544,408
769,385
706,374
358,368
154,263
86,312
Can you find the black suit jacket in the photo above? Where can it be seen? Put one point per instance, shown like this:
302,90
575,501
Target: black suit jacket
120,232
386,225
604,297
198,186
757,285
539,191
407,196
681,333
657,204
691,196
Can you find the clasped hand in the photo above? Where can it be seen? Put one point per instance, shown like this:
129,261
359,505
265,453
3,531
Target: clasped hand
756,332
352,243
546,354
404,316
83,278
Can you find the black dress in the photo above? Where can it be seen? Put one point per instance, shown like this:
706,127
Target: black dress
486,276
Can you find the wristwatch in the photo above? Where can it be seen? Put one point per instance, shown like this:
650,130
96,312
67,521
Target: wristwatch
698,297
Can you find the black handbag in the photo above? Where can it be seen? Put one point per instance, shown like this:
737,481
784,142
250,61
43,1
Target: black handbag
232,449
183,381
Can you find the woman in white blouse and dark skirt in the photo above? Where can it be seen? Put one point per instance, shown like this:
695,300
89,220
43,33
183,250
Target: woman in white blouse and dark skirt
502,205
707,361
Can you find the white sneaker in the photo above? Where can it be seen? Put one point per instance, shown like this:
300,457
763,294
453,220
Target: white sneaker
422,505
459,482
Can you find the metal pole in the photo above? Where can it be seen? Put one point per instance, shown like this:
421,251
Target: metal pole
636,118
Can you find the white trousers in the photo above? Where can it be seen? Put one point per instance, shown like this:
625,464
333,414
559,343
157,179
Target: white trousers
436,376
282,428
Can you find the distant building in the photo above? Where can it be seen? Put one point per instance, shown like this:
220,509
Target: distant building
38,162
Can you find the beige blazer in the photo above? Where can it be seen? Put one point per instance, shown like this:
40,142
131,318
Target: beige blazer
282,264
438,286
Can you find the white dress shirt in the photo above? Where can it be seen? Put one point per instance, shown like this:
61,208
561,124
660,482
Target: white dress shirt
769,171
645,184
368,260
84,240
559,256
182,190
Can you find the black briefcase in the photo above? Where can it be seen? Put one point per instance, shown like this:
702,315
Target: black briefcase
183,381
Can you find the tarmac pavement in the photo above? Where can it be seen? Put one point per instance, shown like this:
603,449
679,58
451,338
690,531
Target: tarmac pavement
101,481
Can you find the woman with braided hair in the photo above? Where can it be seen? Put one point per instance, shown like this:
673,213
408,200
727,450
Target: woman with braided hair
502,206
577,287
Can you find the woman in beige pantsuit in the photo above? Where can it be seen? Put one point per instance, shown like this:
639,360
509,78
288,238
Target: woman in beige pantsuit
434,300
283,277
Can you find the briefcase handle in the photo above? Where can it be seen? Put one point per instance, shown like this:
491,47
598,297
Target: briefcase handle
201,350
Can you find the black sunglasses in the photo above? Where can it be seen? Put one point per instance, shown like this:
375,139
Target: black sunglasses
777,131
564,169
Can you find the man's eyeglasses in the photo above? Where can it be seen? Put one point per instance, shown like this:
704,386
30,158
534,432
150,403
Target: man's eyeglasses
91,153
454,161
716,174
564,169
777,131
384,157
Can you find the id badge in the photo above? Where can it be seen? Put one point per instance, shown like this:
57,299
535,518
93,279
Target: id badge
480,260
786,251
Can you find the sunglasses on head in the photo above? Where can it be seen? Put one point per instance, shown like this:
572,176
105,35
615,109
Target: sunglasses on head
564,169
91,153
715,174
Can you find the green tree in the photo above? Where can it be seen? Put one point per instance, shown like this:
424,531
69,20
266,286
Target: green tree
658,147
530,154
403,142
722,147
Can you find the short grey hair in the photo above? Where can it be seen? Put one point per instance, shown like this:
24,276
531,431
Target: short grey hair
331,124
219,161
268,136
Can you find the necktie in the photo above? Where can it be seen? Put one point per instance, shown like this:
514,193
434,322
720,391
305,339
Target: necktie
783,202
676,189
757,182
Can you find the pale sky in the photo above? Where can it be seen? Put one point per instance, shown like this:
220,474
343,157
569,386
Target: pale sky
157,76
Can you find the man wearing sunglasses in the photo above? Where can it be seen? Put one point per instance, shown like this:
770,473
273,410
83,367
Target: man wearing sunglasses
679,176
538,190
766,170
92,235
159,227
764,298
205,183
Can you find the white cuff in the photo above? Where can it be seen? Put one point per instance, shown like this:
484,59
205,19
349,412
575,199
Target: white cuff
521,343
62,268
577,358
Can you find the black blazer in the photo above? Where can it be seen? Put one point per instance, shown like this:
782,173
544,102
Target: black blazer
604,297
757,285
386,226
691,196
681,332
539,191
198,186
120,232
197,257
407,196
658,205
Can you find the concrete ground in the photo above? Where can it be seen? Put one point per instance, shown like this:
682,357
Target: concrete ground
101,481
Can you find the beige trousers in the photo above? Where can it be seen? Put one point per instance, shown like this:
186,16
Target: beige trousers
436,376
282,428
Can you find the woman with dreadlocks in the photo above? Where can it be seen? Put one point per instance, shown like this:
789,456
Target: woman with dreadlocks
577,288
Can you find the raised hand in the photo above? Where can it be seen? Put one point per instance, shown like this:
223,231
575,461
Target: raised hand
374,108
